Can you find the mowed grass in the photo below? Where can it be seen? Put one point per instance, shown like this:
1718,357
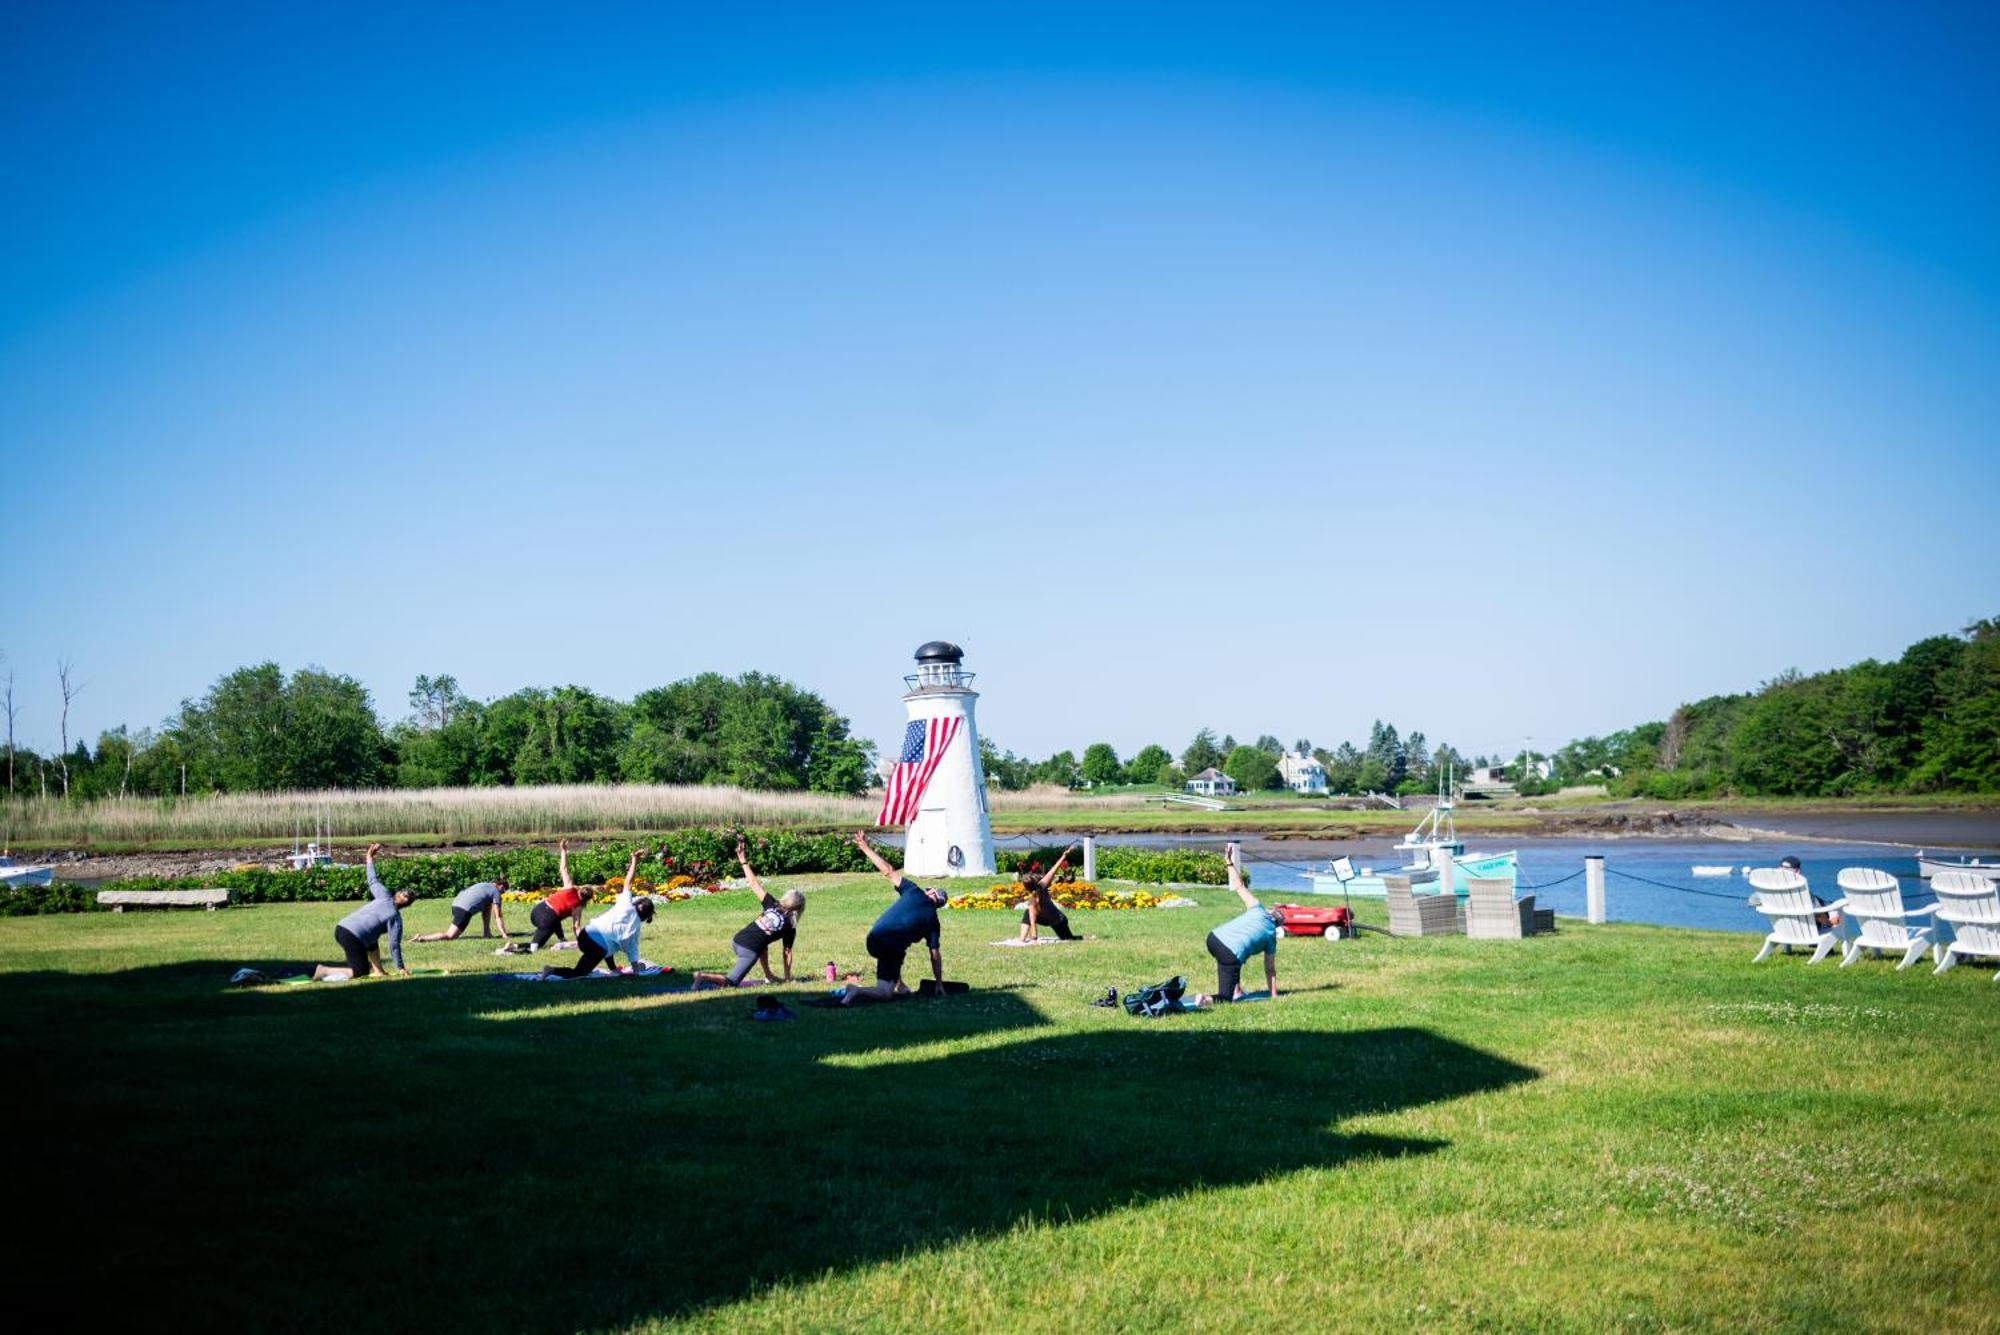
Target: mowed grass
1615,1127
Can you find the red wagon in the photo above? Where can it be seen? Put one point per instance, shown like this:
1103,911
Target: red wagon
1315,920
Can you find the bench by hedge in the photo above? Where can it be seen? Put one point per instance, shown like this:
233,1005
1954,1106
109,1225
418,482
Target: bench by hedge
120,900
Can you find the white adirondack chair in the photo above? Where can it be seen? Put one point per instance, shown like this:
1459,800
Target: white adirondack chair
1875,906
1971,904
1783,897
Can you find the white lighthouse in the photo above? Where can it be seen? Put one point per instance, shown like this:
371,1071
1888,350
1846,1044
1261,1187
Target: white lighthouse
950,834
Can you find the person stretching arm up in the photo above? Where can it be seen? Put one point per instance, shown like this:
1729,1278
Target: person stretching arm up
614,930
1250,932
912,918
359,934
776,920
547,916
1042,906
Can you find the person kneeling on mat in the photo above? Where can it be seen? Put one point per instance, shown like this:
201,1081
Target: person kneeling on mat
912,918
360,933
483,899
1042,906
614,930
1253,931
777,920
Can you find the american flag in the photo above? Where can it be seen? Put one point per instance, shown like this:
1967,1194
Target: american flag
924,743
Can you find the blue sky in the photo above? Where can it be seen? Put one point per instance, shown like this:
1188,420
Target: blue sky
1502,372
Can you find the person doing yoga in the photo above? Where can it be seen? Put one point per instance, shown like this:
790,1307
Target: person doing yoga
360,933
1251,932
1042,907
483,899
610,932
912,918
547,916
777,921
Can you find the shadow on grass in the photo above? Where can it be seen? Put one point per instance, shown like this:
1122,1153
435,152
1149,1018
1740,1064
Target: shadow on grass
462,1151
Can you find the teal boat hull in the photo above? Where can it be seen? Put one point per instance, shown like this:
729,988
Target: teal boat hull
1423,881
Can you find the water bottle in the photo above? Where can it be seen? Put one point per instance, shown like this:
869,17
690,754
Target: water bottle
832,974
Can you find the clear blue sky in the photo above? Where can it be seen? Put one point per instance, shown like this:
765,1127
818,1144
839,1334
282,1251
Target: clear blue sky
1498,371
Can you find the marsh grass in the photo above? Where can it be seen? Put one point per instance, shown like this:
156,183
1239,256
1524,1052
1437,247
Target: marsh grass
1620,1126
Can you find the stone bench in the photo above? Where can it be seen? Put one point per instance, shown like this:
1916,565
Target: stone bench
120,900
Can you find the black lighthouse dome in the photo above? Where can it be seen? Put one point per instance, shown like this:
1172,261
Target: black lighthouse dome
940,651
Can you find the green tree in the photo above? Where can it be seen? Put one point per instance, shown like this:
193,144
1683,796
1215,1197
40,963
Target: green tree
1202,753
839,763
1061,769
1144,767
256,731
1385,752
1100,764
1253,768
1270,745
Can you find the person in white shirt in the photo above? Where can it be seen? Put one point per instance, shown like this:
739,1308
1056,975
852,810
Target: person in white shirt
612,932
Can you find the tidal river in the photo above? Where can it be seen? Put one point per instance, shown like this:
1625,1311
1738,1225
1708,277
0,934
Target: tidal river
1646,880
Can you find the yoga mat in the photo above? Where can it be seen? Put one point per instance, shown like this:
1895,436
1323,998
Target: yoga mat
1015,941
651,971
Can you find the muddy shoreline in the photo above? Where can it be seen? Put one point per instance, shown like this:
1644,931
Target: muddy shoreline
1951,829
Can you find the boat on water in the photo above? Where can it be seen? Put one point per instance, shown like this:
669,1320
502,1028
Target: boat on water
1700,870
1437,862
14,875
1928,866
319,851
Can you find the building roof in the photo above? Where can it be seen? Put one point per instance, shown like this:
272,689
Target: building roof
1211,773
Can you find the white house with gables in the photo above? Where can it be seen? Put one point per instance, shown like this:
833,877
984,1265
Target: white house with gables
1302,774
1212,782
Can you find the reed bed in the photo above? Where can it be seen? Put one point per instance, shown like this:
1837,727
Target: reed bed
448,813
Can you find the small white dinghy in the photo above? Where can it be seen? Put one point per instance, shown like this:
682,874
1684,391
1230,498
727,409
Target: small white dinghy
1700,870
14,875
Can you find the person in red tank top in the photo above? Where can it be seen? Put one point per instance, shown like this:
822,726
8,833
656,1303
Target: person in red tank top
567,902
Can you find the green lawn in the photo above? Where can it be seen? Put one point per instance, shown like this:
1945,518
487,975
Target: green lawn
1618,1126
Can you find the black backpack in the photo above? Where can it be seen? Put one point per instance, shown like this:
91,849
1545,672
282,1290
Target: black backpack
1156,1000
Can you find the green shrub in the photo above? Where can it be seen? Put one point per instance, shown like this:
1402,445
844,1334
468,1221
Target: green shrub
1154,866
706,855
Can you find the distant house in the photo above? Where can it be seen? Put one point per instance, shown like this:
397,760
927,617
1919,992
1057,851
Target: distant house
1212,782
1302,774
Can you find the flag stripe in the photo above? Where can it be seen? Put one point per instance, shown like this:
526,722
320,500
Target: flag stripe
924,745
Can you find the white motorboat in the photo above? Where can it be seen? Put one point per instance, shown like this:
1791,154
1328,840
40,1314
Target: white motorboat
1434,851
1700,870
14,875
1928,866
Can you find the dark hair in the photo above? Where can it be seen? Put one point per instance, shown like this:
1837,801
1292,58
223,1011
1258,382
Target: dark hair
645,907
1789,861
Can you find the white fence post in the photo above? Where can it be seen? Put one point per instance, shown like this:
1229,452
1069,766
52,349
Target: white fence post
1090,858
1593,889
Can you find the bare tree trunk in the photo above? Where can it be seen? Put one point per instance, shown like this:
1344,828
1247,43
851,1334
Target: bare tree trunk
10,734
64,671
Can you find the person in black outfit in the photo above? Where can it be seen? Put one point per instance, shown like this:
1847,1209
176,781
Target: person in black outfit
777,921
1042,907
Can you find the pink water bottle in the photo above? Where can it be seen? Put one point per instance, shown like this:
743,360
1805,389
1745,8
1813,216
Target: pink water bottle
832,974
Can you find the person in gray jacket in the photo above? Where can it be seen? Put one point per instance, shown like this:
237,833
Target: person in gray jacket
360,933
483,899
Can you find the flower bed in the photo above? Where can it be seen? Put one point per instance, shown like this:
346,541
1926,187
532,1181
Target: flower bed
673,889
1069,894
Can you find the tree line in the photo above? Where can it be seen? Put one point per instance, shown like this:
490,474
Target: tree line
1929,722
259,729
1390,763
